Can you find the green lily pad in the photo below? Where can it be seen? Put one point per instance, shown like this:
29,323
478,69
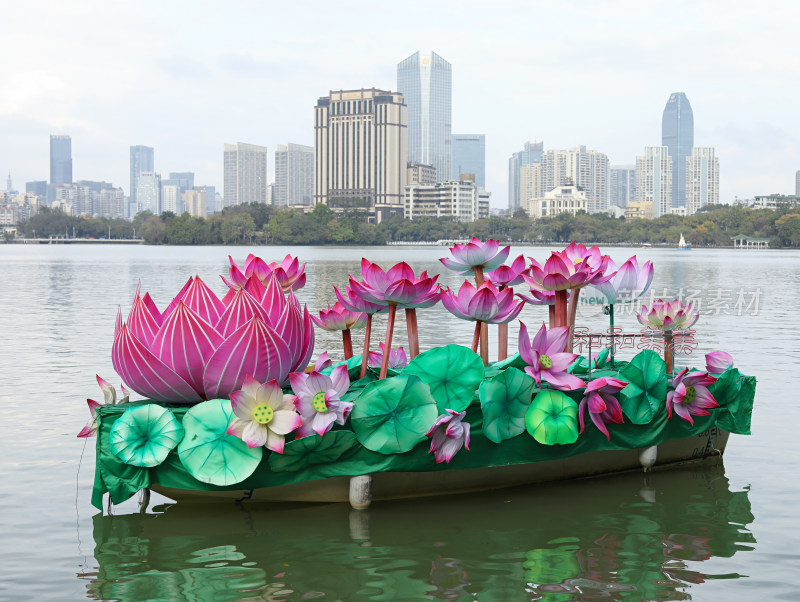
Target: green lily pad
726,387
310,451
208,453
452,372
144,435
392,415
552,418
646,391
512,361
504,400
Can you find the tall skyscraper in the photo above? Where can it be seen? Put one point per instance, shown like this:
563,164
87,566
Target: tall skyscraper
797,183
587,169
702,179
148,193
294,175
654,179
677,134
245,173
621,185
530,186
469,156
360,153
425,81
142,160
60,160
531,153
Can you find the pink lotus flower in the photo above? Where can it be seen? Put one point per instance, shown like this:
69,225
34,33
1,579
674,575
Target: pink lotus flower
546,358
318,399
201,348
628,282
509,275
562,272
578,253
397,357
289,273
399,286
485,303
339,318
691,395
323,361
264,415
353,302
476,254
447,435
538,296
718,362
667,316
109,398
603,407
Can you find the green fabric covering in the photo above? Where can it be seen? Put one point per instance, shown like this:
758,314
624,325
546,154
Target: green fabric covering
144,435
504,400
645,394
734,392
452,372
208,452
316,449
552,418
391,416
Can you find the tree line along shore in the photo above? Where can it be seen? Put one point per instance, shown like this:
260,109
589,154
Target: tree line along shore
259,224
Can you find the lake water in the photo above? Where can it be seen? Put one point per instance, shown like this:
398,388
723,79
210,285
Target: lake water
709,532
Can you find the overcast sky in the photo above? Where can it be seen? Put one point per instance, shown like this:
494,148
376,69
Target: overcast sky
185,77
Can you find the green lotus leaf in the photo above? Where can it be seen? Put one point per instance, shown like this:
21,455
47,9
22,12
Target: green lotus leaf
353,367
452,372
552,418
581,363
512,361
504,400
646,391
144,435
309,451
208,452
392,415
726,387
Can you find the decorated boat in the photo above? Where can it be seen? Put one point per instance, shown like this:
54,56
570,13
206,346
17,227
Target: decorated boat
234,409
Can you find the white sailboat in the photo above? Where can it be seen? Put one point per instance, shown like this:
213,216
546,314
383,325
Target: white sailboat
683,245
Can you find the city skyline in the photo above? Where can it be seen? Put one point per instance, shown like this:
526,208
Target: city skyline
243,84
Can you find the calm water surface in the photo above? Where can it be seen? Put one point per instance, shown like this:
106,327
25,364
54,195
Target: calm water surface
710,532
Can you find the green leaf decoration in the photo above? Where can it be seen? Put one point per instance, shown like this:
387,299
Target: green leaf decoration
144,435
646,392
726,387
208,453
353,367
552,418
581,363
392,415
310,451
452,372
504,400
513,361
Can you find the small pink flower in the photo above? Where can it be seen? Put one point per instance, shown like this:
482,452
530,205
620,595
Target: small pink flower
289,273
485,303
339,318
666,316
448,434
603,407
546,358
109,398
691,395
509,275
318,399
397,357
486,255
398,286
264,415
718,362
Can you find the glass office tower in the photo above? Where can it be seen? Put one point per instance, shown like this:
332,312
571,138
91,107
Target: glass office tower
60,160
677,134
469,156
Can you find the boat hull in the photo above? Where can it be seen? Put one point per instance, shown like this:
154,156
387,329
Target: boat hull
398,485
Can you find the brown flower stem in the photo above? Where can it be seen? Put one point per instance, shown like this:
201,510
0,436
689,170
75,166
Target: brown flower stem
347,342
365,353
669,354
552,312
502,342
479,280
561,308
571,313
387,344
476,336
413,333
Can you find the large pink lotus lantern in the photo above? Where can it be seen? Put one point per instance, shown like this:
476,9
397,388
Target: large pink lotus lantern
203,348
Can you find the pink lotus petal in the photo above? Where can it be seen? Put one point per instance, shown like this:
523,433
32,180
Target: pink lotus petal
340,379
323,361
141,322
273,301
240,309
322,422
307,347
174,303
251,386
146,374
284,422
202,301
243,404
109,394
254,434
563,381
275,442
598,422
683,411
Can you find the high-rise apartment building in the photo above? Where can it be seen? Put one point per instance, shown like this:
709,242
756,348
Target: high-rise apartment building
654,179
530,186
60,160
142,160
111,203
469,157
425,81
463,201
171,198
702,179
418,173
245,174
294,175
587,170
677,134
148,193
531,153
621,185
360,153
195,201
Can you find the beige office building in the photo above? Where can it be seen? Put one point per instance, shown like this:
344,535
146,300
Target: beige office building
639,210
566,198
702,179
195,202
654,179
419,173
462,200
245,174
294,175
360,150
530,186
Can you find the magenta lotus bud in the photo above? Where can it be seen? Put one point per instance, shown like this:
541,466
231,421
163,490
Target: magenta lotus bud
718,362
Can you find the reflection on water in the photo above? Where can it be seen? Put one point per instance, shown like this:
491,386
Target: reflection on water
622,537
